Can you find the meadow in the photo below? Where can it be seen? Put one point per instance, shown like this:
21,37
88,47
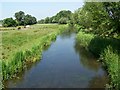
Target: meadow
23,46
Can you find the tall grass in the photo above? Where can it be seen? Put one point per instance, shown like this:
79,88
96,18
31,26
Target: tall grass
84,39
107,50
111,58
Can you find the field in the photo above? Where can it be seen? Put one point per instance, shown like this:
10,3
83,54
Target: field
25,45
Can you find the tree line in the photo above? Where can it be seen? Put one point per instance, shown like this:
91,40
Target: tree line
62,17
20,19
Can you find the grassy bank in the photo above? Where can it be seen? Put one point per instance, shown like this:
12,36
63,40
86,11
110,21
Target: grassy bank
20,47
107,50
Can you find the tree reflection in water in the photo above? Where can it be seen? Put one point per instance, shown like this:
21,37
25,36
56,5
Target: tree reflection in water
86,58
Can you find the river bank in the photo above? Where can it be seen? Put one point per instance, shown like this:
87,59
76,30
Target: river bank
20,47
107,51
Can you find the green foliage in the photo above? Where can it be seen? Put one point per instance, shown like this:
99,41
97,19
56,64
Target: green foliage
113,9
63,14
110,59
46,20
84,39
1,21
9,22
63,20
29,20
41,21
61,17
101,18
20,17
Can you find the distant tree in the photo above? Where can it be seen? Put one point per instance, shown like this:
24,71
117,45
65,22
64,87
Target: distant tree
9,22
50,19
54,19
34,20
63,13
63,20
60,17
46,20
20,17
41,21
1,21
29,20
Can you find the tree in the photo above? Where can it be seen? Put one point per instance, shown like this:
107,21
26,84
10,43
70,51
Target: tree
29,20
46,20
63,20
34,20
9,22
94,18
20,17
61,16
113,9
41,21
63,13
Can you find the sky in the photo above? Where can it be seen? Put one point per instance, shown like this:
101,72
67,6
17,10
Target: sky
38,9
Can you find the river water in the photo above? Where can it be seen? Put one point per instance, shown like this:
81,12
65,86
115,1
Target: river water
64,64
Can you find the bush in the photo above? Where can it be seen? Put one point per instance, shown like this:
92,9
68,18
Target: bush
63,20
9,22
110,58
84,39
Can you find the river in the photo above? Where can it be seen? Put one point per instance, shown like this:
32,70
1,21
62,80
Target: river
64,64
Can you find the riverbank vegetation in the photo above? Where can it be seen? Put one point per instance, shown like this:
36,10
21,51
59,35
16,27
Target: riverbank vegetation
98,26
20,47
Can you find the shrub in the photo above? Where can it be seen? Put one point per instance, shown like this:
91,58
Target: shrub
9,22
110,58
63,20
84,39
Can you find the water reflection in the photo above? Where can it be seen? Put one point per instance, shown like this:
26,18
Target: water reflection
20,76
67,33
98,82
86,58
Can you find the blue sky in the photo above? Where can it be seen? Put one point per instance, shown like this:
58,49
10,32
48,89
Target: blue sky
38,9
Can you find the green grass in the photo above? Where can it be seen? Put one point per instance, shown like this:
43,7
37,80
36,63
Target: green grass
111,58
20,47
84,38
107,50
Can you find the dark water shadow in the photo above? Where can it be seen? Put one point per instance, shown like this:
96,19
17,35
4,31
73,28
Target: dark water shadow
98,82
86,58
98,44
89,61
